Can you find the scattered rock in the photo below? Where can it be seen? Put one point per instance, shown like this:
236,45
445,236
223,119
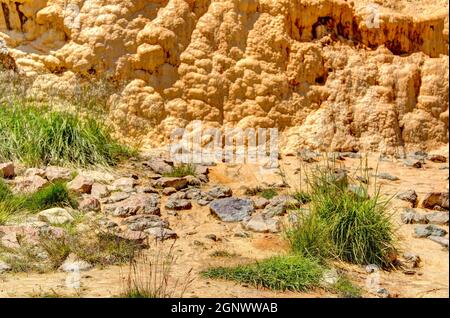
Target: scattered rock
418,155
7,170
260,203
383,293
262,224
171,182
29,184
99,190
74,264
34,172
439,218
443,241
137,237
141,203
436,199
124,184
81,184
169,191
55,174
193,181
413,163
371,268
178,204
143,222
146,189
160,166
4,267
387,176
199,169
117,197
220,191
428,230
412,217
161,233
353,155
409,196
437,158
279,205
330,277
232,209
89,204
411,259
55,216
107,223
308,156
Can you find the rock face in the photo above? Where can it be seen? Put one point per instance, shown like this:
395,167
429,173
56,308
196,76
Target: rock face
308,67
141,203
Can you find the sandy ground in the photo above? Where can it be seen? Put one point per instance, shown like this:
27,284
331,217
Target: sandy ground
194,250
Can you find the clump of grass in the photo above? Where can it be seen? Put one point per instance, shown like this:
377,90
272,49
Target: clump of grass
100,249
359,227
40,136
152,276
182,171
302,197
53,195
346,289
292,272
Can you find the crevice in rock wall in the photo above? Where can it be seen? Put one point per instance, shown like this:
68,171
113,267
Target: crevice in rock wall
22,18
5,10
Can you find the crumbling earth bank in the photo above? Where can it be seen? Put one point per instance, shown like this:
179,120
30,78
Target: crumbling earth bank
331,74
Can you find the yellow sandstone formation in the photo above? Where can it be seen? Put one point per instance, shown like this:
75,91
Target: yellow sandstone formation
330,74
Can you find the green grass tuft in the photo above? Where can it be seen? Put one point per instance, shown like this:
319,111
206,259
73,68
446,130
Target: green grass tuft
182,171
352,228
53,195
346,289
39,136
293,272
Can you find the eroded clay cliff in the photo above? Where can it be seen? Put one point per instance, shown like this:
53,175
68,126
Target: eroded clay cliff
330,74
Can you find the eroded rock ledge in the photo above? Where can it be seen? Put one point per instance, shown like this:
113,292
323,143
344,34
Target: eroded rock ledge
325,72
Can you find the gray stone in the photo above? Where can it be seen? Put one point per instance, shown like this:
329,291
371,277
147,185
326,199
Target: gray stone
193,181
81,184
383,293
409,196
141,203
220,191
172,182
7,170
124,184
262,224
232,209
443,241
260,203
99,190
55,174
74,264
372,268
107,223
178,204
160,166
413,163
137,237
161,233
439,218
89,204
117,197
29,184
436,199
353,155
410,216
427,230
387,176
169,191
411,259
308,156
55,216
4,267
34,172
143,222
279,205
